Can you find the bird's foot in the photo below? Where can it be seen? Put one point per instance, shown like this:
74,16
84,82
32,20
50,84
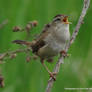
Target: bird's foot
64,53
52,75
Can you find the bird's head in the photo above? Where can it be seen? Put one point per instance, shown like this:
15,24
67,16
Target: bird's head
60,18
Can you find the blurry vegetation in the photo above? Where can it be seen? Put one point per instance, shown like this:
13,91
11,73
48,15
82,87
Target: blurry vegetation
31,77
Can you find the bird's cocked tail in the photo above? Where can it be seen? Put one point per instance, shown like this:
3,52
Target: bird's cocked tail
21,42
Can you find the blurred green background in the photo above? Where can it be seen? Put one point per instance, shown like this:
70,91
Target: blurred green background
20,76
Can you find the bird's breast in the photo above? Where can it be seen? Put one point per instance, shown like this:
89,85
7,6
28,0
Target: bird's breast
53,43
57,38
61,33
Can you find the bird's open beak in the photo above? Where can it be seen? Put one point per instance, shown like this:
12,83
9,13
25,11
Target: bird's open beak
65,20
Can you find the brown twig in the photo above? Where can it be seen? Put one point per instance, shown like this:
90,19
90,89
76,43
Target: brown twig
13,54
29,26
75,33
1,79
3,23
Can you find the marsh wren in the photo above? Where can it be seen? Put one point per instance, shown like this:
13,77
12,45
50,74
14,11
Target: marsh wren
51,41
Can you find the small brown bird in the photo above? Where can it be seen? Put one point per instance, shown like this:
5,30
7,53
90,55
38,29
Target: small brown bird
51,41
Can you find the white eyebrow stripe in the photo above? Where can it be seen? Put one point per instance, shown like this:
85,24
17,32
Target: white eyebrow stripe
56,18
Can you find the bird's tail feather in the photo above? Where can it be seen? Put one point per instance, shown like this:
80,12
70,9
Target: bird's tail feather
22,42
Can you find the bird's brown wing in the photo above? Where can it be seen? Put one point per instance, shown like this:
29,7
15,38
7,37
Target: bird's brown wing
44,32
40,40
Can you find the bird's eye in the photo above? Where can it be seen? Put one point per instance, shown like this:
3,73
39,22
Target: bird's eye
58,19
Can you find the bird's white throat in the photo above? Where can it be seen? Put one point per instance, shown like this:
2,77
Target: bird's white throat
61,32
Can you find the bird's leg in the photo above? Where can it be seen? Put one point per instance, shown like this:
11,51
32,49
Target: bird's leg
50,73
64,53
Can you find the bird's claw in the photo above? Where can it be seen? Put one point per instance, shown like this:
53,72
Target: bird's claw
64,53
52,75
